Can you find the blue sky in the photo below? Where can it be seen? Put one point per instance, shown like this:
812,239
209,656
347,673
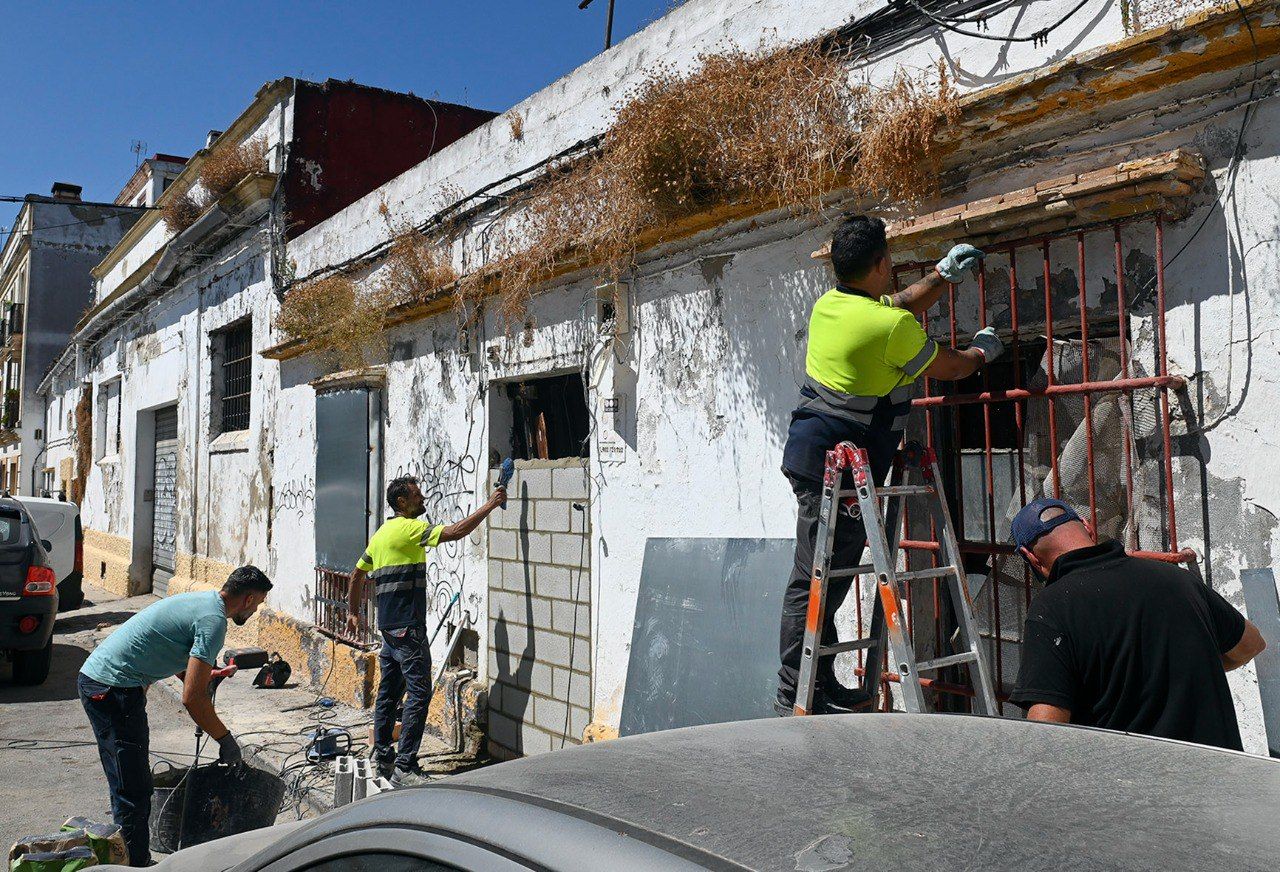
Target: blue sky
82,80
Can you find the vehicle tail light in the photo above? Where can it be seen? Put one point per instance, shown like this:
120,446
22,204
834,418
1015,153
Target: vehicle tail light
79,564
28,624
40,582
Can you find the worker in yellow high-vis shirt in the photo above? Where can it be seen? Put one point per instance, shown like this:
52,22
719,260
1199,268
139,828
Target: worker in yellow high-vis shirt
866,350
395,562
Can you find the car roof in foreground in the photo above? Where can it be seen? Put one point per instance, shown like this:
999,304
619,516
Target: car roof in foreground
50,502
888,792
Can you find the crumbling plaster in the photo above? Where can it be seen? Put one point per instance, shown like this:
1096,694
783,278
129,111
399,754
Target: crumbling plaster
709,370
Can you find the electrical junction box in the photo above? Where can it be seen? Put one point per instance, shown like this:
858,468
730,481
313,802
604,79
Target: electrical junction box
613,305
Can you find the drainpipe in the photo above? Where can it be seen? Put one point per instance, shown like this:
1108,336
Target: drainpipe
44,446
196,442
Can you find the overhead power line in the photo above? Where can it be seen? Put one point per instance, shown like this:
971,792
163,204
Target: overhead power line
1040,37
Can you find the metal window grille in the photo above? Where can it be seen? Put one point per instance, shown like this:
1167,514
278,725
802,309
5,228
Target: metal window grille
237,376
1088,422
329,608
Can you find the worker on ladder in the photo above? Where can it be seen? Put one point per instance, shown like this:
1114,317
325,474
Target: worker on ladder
866,349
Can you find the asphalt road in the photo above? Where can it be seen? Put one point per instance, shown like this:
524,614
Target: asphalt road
62,777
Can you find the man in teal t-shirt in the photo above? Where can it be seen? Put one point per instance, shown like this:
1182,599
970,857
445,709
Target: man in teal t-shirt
180,635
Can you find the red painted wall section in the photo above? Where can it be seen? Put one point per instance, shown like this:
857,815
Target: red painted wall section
348,139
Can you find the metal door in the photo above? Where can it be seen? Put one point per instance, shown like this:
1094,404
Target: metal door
348,500
164,531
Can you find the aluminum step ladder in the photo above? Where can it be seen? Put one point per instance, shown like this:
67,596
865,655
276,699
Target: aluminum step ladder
887,616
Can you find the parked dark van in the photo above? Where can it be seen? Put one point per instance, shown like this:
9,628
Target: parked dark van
28,595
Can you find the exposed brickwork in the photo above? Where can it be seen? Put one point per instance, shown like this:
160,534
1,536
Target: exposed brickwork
540,611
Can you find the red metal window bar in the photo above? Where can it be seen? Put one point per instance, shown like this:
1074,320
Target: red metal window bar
1004,411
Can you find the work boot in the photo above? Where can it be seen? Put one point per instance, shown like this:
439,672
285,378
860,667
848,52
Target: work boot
384,762
845,702
412,776
838,699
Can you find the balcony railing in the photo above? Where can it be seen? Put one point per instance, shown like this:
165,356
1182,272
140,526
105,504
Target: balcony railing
9,418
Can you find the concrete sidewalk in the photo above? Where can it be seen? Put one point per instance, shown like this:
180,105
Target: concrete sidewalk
49,767
272,726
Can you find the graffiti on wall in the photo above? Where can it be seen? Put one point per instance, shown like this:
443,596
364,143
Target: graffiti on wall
448,485
299,496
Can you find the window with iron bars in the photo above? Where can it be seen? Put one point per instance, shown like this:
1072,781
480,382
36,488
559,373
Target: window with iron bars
234,378
1069,411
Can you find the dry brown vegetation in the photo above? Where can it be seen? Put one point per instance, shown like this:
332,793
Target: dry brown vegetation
758,132
415,267
83,444
516,122
780,130
227,165
340,321
180,210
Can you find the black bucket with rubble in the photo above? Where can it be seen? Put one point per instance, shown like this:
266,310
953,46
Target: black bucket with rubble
193,806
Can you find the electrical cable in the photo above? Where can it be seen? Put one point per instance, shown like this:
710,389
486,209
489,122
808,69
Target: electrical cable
1040,37
1237,152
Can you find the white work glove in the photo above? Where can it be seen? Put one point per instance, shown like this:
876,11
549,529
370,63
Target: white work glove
987,342
229,749
960,259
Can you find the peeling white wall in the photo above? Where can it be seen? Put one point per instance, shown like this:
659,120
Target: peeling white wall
708,373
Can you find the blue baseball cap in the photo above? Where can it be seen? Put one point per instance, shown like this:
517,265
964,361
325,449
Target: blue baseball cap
1028,525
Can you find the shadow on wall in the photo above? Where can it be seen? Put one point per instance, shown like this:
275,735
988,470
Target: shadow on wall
516,682
1235,253
1001,69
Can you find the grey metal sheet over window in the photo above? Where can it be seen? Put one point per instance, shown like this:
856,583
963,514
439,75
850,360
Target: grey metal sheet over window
704,648
1261,601
164,529
342,477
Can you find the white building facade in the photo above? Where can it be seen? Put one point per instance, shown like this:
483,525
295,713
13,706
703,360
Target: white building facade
1119,174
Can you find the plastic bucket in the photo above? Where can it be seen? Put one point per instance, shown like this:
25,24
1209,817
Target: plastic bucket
193,806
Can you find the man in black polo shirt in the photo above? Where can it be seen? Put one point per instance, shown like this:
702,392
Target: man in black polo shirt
1122,642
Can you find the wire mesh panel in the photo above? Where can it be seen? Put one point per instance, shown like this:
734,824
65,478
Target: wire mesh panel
1069,411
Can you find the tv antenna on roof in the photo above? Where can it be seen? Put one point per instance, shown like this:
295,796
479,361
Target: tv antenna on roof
139,148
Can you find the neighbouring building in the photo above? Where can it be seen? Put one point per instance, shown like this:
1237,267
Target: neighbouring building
162,381
61,393
45,285
1118,169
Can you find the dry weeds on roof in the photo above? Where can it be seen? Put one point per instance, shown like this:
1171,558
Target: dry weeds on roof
781,130
228,165
415,268
341,321
180,210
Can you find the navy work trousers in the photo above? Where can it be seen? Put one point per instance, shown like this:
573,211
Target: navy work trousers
405,663
118,716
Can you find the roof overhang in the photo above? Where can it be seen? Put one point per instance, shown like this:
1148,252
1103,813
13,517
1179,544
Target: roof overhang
268,95
1195,53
